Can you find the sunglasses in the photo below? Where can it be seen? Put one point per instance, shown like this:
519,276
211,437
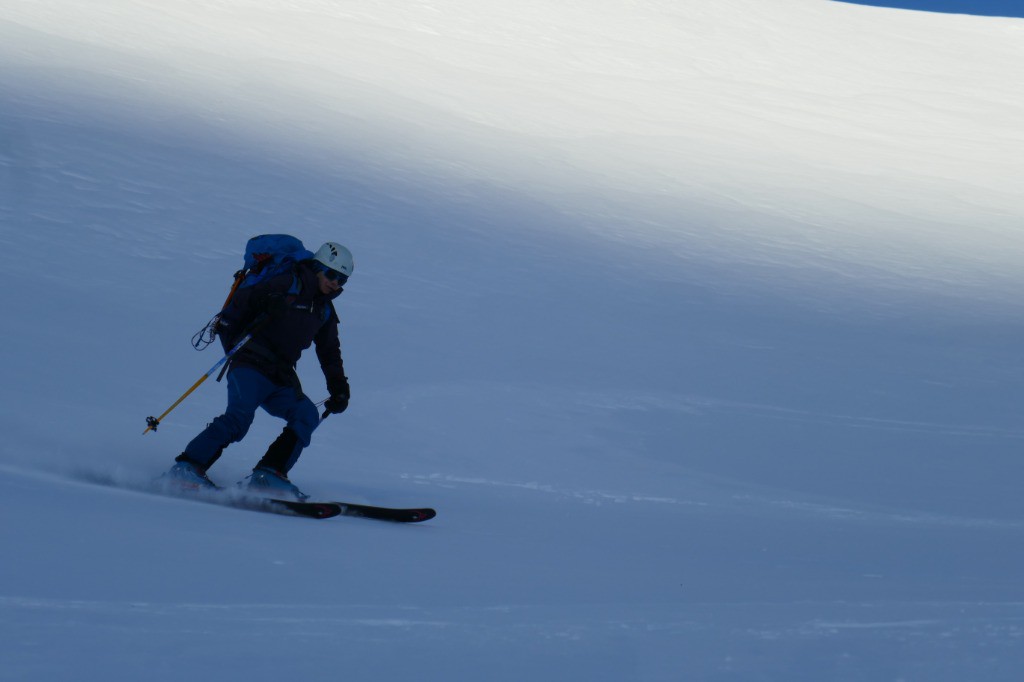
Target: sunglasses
334,275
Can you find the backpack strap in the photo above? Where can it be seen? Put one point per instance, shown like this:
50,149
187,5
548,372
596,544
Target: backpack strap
296,288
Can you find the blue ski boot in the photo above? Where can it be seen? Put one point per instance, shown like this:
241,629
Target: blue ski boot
185,475
266,481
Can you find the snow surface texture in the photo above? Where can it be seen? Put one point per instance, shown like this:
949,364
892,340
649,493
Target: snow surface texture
698,322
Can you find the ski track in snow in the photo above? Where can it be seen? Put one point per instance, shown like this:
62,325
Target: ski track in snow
725,502
742,639
1000,619
746,503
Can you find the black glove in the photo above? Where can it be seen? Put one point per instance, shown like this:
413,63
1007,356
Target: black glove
340,394
336,404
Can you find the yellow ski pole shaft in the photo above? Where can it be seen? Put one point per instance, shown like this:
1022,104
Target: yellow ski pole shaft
153,422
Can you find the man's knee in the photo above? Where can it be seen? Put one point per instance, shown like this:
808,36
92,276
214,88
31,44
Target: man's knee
233,425
304,421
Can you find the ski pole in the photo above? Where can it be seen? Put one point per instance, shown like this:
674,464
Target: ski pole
327,413
153,422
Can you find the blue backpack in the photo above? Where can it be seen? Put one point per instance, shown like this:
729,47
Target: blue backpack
269,255
266,256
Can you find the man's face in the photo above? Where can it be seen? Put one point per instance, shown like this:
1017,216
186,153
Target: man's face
327,286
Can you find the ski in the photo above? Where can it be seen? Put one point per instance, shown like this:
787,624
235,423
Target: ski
326,510
312,510
368,511
237,499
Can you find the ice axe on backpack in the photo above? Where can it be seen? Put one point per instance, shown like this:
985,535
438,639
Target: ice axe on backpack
153,422
208,334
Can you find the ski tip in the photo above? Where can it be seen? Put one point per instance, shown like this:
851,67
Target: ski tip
422,515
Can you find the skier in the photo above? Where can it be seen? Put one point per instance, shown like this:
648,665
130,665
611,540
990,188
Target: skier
285,314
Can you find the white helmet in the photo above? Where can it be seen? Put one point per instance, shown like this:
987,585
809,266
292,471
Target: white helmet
336,257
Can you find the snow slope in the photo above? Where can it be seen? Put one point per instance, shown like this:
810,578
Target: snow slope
696,321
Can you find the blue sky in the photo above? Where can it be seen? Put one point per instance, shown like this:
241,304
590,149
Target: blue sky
1000,8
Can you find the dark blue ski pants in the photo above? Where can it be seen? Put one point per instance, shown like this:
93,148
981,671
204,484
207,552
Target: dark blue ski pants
249,390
